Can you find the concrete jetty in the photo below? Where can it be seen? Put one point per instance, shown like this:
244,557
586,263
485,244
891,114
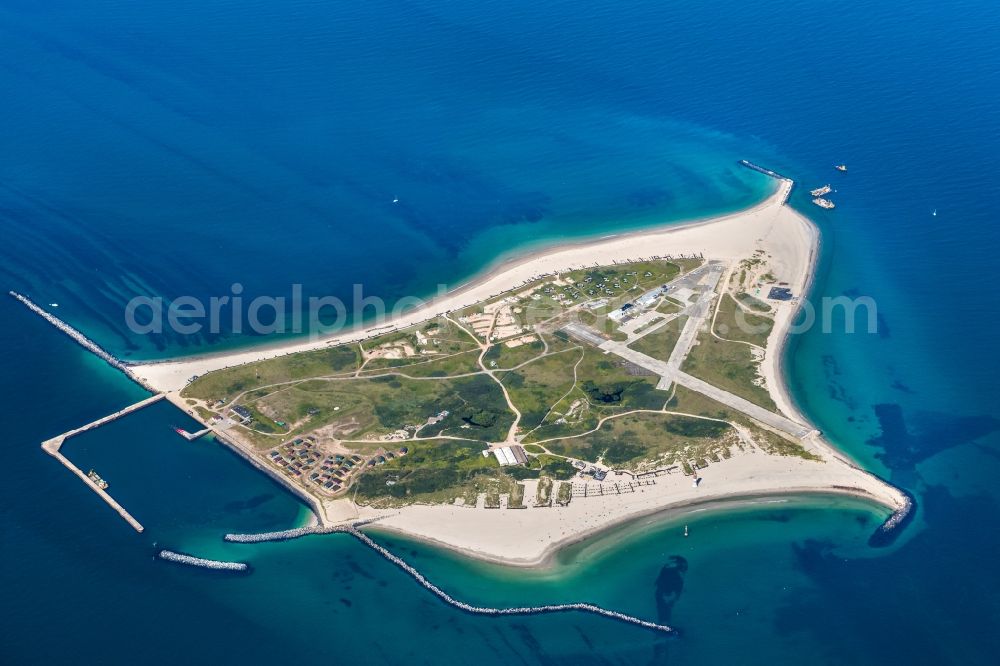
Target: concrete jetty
81,339
52,446
191,436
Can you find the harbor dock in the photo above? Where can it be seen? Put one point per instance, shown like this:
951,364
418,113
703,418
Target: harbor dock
52,446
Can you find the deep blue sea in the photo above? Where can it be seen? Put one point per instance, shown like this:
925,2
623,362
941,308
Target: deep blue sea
176,148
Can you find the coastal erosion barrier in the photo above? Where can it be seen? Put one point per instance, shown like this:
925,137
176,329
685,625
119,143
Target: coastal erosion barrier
434,589
294,533
190,560
81,339
481,610
787,182
887,532
283,535
52,446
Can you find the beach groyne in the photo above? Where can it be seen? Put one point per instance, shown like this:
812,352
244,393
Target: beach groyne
294,533
191,560
81,339
482,610
887,532
282,535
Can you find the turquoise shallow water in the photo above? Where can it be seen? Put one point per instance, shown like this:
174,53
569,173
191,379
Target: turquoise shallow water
176,148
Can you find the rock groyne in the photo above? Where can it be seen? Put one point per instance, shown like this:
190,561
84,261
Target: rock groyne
481,610
282,535
81,339
887,532
190,560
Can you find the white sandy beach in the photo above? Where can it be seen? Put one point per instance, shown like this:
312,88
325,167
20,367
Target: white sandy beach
526,537
787,234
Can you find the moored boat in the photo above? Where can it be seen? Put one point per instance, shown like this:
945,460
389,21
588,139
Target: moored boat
98,481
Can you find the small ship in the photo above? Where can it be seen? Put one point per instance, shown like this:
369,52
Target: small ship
820,191
840,167
95,477
823,203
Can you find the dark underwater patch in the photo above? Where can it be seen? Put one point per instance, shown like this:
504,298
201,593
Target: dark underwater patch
903,449
946,562
882,326
246,505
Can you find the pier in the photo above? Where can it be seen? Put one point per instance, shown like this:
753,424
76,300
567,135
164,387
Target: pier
786,182
52,446
81,339
191,436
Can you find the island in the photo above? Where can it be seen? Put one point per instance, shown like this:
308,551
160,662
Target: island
557,395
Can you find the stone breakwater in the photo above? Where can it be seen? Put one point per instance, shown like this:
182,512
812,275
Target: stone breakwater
890,529
80,339
481,610
181,558
283,535
293,533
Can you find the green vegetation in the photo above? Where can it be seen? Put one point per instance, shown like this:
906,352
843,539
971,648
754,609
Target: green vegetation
733,323
753,303
543,494
604,388
423,389
661,342
227,384
730,366
492,495
640,440
516,499
564,493
507,358
622,282
536,386
432,471
355,408
554,466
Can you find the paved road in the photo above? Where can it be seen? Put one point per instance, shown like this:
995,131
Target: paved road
584,333
670,372
740,404
640,359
